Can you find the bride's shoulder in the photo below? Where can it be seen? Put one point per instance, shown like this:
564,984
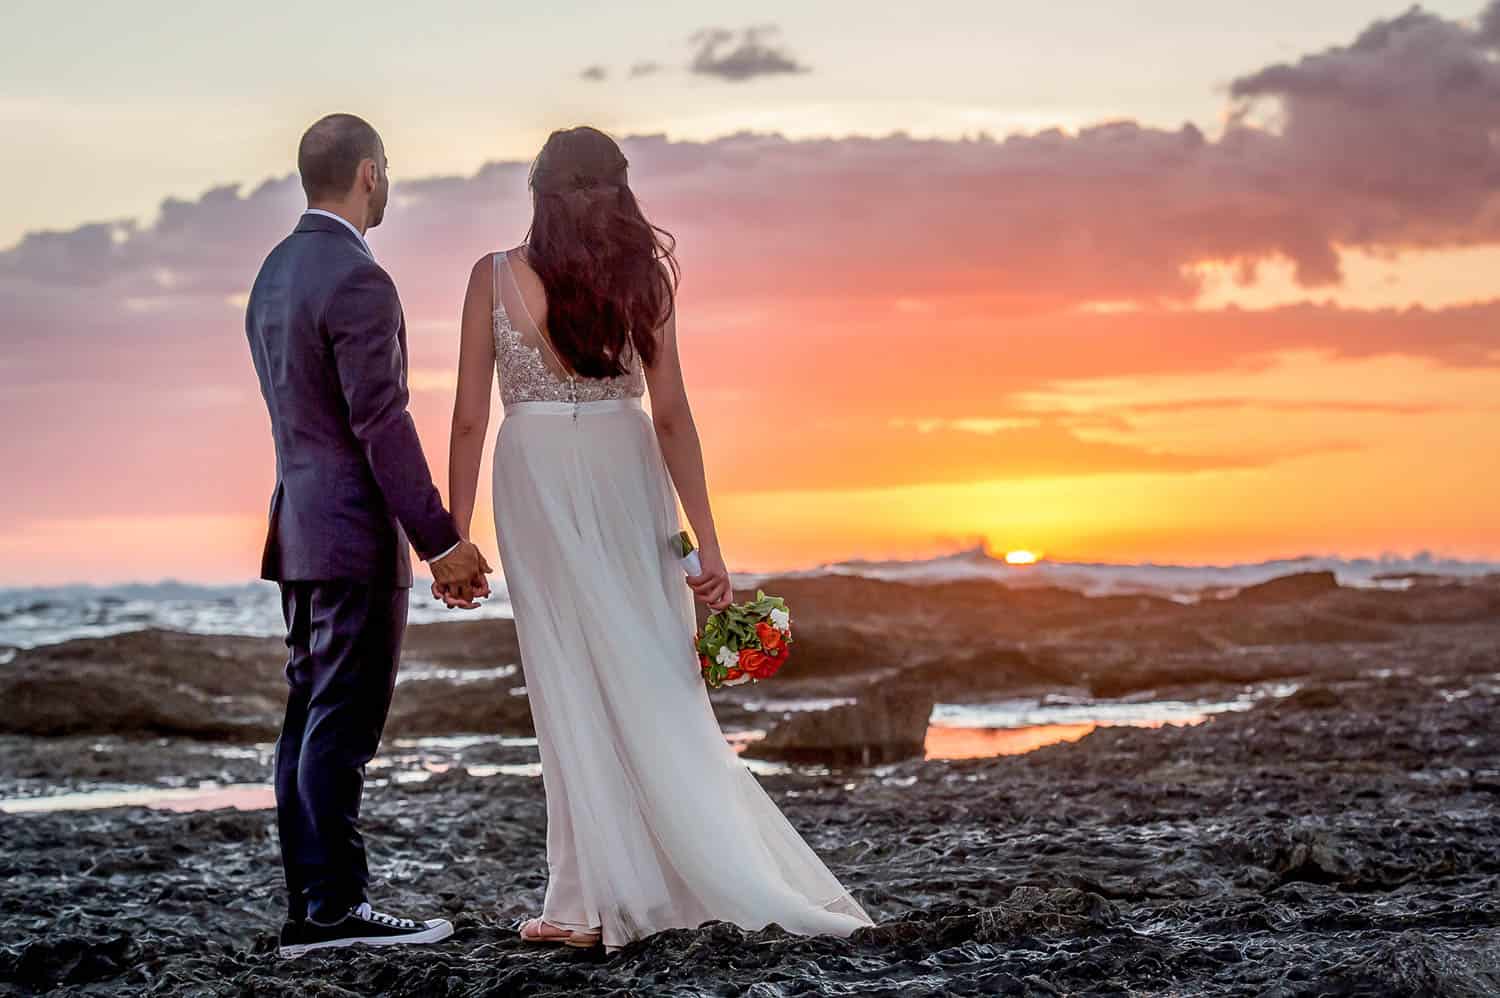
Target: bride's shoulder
483,271
480,274
518,258
527,281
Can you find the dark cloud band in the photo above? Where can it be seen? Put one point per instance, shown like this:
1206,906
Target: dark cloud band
741,56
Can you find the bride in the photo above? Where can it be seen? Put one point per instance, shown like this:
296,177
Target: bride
652,820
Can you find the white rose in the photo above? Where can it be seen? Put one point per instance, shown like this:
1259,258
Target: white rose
728,657
781,620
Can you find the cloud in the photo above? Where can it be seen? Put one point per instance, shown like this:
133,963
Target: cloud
598,74
1489,24
1381,145
836,285
1400,122
1286,405
752,56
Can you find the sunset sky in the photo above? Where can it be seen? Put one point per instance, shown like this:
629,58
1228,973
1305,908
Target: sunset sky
1179,287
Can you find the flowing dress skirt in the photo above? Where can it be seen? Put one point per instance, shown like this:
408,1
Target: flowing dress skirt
653,822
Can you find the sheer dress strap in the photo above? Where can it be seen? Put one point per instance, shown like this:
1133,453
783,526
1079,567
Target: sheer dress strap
561,367
497,300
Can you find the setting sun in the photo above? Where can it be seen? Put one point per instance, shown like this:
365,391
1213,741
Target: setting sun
1020,558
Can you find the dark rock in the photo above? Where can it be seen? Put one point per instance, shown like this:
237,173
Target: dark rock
214,687
1298,849
460,643
959,640
62,959
1289,588
152,681
484,706
1316,697
1429,602
886,725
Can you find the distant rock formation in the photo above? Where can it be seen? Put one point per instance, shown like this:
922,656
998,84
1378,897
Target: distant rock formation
217,687
1289,588
885,725
962,641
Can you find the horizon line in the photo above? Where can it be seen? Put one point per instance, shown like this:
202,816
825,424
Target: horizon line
1387,557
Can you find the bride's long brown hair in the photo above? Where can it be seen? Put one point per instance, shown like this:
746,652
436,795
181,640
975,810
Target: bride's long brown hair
610,275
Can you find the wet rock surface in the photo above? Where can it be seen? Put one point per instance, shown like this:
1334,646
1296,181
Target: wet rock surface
147,682
1342,841
959,641
886,724
224,688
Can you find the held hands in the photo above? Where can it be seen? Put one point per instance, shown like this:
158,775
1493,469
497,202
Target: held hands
711,586
458,578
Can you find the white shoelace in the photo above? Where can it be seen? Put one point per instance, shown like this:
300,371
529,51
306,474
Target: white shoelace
371,915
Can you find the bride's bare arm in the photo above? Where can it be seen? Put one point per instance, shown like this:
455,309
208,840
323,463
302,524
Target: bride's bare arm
471,403
680,447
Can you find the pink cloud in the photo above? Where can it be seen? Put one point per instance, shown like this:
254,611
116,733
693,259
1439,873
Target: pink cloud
125,360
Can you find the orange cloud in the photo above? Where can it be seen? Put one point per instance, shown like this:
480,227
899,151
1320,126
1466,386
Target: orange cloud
957,330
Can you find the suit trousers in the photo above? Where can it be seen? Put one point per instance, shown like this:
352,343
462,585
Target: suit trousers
344,647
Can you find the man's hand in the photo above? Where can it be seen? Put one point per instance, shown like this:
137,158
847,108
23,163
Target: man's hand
451,595
458,578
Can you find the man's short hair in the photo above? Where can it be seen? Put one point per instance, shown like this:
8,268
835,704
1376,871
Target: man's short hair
330,152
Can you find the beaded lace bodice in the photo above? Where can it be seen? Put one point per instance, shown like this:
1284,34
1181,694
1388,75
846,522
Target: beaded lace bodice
521,352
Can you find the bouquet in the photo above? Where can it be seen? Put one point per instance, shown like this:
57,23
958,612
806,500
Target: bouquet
744,642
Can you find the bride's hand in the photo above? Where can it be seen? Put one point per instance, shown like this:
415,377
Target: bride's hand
711,586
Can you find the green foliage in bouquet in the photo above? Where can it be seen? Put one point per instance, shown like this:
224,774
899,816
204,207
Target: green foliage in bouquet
734,628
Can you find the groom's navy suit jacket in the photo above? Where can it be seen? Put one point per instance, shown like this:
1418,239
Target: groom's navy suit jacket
329,343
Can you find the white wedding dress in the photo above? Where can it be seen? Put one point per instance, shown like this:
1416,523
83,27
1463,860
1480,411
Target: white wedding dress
653,822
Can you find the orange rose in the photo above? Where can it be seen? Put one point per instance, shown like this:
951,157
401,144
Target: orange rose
771,641
734,674
758,664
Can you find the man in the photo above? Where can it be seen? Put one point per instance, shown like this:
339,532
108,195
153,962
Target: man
329,343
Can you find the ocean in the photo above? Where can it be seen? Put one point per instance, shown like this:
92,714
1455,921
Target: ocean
31,617
38,616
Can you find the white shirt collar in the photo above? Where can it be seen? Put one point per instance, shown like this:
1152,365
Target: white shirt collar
347,224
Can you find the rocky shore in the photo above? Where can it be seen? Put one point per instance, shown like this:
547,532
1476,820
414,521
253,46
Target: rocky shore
956,642
1343,840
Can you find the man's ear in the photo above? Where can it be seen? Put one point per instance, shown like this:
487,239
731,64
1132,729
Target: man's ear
369,174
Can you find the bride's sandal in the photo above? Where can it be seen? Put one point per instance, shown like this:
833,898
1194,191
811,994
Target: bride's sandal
536,930
583,940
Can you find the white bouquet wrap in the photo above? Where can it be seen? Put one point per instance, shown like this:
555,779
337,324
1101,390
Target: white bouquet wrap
687,554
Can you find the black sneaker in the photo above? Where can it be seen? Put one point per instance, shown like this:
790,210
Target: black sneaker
290,930
362,926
